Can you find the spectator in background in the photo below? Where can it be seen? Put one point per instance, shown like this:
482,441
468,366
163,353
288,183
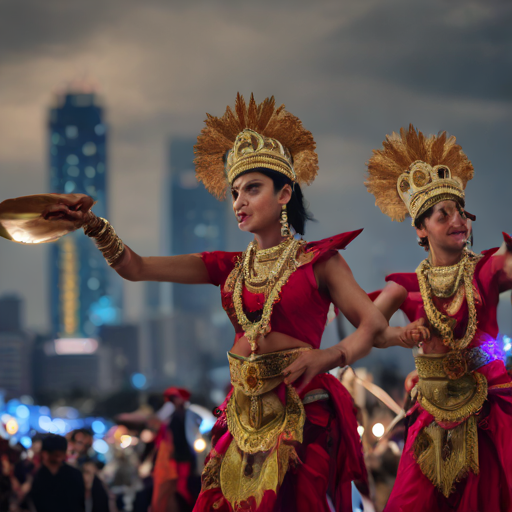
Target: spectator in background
57,486
97,497
80,443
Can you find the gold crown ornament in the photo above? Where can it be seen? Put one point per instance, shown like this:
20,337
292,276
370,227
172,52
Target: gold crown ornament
412,173
254,136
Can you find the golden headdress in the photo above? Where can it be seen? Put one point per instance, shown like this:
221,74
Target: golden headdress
413,173
256,136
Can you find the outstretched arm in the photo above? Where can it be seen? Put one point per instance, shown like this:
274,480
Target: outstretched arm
186,269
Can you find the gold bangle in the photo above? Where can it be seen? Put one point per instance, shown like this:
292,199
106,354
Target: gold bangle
105,238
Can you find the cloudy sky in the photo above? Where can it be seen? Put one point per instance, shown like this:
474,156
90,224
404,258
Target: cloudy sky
352,70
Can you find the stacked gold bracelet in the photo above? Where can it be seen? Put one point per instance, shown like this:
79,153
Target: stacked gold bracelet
105,238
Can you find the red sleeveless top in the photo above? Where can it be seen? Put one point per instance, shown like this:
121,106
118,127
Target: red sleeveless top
301,311
489,281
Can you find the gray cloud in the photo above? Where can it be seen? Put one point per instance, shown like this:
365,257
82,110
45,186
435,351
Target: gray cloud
353,71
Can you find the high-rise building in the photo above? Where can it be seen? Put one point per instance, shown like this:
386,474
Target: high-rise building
81,289
15,349
198,223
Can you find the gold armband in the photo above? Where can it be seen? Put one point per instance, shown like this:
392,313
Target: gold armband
105,238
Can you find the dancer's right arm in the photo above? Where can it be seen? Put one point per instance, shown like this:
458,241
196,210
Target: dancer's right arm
186,268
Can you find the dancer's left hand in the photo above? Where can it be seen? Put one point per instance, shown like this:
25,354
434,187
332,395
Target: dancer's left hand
310,364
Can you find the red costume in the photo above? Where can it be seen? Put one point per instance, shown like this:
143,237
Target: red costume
491,489
330,456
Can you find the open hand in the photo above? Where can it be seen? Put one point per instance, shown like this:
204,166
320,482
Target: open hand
310,364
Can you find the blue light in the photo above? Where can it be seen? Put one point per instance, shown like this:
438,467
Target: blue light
206,425
138,380
98,427
100,446
45,423
507,343
23,412
26,442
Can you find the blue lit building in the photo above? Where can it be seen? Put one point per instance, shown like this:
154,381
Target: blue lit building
198,223
80,293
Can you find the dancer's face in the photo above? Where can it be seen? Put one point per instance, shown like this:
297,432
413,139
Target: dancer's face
256,204
447,228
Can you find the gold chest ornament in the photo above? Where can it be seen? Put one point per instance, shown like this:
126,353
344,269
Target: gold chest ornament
265,272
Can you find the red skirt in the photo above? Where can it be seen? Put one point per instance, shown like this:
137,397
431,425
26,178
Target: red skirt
330,458
491,489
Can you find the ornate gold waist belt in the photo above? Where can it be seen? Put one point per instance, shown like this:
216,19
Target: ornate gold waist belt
448,386
264,428
255,415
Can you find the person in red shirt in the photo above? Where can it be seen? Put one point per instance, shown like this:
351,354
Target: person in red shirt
458,450
286,435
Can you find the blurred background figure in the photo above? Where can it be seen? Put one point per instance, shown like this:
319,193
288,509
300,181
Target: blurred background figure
97,497
79,446
57,486
176,463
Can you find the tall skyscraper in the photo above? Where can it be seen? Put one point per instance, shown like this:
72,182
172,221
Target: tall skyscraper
198,223
15,349
81,299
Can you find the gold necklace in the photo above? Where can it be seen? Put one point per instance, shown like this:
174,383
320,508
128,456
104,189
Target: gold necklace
259,264
442,323
445,281
278,276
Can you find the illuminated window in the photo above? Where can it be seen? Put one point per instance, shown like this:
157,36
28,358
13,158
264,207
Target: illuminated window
71,132
55,138
91,190
99,129
72,159
90,171
73,171
89,149
69,187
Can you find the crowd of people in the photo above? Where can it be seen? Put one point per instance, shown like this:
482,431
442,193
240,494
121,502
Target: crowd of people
65,474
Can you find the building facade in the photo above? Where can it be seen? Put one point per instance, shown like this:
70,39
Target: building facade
81,291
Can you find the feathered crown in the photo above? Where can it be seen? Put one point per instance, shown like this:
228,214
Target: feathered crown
256,136
413,173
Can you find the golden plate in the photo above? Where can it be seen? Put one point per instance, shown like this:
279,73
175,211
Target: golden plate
41,218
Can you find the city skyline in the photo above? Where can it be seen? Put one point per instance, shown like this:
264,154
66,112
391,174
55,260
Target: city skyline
352,71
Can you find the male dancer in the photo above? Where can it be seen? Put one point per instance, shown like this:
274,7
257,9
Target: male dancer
458,450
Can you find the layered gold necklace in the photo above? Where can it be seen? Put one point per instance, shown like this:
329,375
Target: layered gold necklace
445,282
263,271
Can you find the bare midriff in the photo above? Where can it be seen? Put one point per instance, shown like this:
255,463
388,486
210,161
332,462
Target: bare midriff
434,346
273,342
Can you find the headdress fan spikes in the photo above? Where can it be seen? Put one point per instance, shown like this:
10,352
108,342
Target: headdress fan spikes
220,134
444,172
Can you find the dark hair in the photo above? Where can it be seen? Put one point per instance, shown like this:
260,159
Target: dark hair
54,443
298,213
420,223
84,431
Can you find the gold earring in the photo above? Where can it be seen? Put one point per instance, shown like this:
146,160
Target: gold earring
285,227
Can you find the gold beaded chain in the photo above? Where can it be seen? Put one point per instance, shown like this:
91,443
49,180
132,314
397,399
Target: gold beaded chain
277,277
442,323
258,265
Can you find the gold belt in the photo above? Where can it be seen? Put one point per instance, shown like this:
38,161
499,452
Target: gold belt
255,414
448,388
263,428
